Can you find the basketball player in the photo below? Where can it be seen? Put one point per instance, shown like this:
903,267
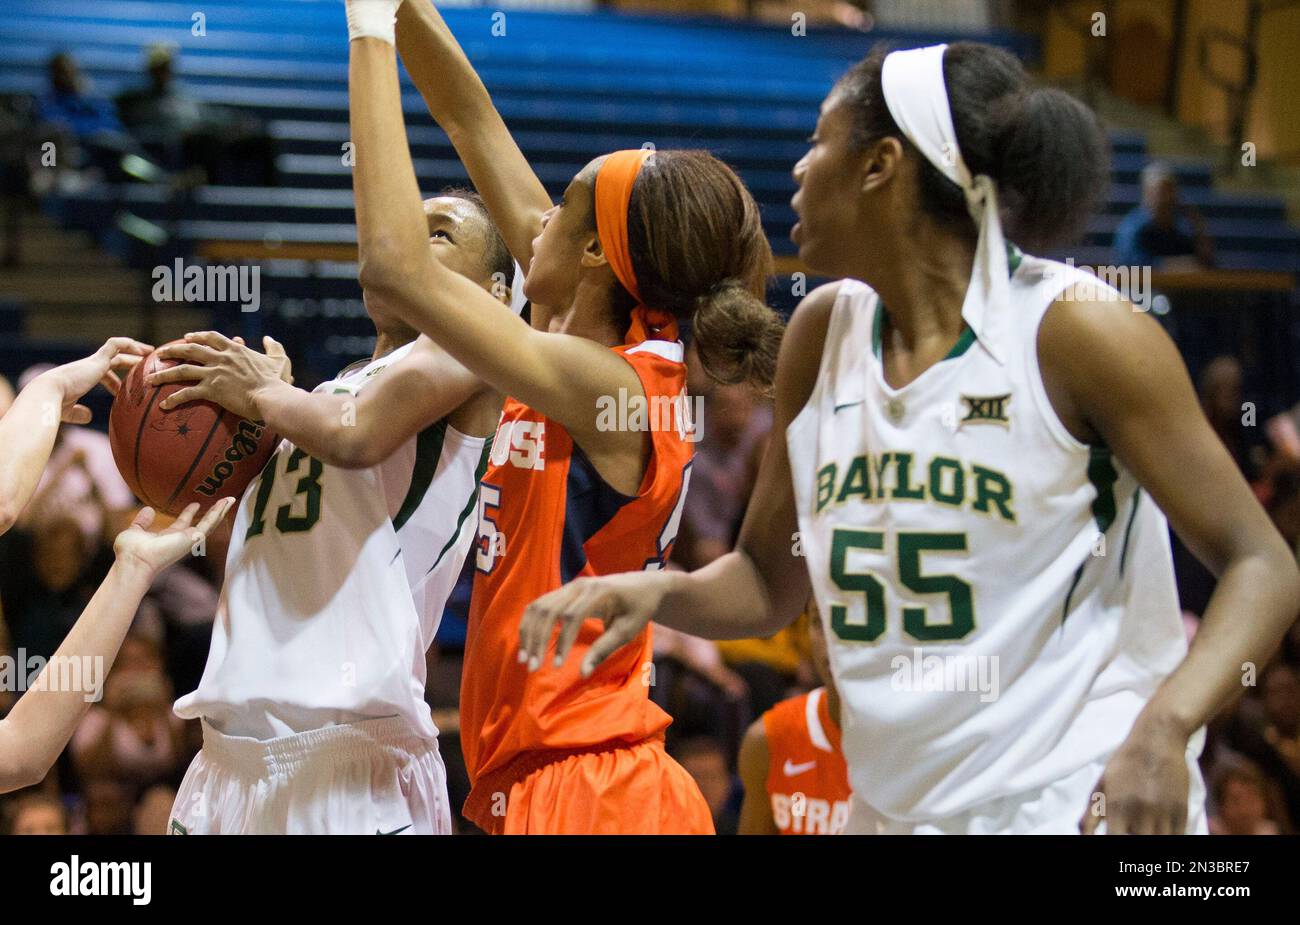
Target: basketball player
979,448
791,765
342,557
634,245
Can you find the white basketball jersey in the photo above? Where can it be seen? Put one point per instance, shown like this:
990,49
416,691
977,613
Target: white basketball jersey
336,581
998,597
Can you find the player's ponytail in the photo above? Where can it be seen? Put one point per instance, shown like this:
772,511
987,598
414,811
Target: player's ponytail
1045,149
1050,162
737,337
698,249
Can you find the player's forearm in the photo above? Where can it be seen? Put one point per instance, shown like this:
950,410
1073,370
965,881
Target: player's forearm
324,426
43,720
461,105
396,265
27,434
1255,602
451,88
392,232
724,600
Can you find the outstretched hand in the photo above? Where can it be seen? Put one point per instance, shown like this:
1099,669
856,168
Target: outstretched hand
75,379
155,550
625,603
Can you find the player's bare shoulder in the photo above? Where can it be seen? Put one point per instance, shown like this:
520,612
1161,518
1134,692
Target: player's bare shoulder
801,349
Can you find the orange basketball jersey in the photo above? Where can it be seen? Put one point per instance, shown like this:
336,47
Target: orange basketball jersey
545,518
807,778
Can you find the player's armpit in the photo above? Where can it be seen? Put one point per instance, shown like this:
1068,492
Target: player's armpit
753,764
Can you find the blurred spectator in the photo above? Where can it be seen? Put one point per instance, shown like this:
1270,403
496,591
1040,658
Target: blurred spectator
1267,731
38,813
735,427
153,812
1241,800
692,684
1222,400
1160,232
184,604
107,807
1224,406
84,127
709,764
772,666
45,583
132,737
184,132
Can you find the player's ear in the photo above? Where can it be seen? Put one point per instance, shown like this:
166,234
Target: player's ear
880,162
593,255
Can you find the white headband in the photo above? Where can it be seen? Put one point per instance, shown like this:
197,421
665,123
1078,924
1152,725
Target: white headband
917,98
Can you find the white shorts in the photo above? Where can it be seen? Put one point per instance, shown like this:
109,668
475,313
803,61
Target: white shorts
376,777
1054,810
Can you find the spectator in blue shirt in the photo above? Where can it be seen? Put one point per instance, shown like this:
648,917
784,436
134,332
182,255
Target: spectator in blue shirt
69,106
85,127
1160,232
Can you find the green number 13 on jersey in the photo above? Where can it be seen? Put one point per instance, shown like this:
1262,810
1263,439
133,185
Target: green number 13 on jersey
911,547
303,510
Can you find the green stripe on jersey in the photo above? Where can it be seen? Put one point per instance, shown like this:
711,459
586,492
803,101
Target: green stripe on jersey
1102,475
471,503
428,450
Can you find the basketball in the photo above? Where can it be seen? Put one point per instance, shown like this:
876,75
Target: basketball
197,451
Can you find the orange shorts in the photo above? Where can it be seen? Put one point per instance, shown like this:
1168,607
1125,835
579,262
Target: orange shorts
628,790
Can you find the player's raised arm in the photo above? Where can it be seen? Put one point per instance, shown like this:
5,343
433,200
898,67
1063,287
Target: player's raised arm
1115,375
43,720
28,429
560,375
460,104
754,590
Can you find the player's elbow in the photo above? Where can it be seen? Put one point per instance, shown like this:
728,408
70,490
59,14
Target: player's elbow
351,448
8,515
19,768
379,269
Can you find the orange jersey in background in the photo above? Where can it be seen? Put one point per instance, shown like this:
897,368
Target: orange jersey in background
807,777
546,518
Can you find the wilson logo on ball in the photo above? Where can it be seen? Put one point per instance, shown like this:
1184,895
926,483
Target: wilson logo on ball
243,444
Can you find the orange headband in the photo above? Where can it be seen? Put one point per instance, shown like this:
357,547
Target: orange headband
614,181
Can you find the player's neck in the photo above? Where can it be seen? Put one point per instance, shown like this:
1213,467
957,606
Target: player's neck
924,296
388,341
589,317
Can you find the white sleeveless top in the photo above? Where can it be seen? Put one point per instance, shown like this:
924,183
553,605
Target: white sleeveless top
336,581
998,597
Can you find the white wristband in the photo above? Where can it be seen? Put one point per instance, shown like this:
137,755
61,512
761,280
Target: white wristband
376,19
